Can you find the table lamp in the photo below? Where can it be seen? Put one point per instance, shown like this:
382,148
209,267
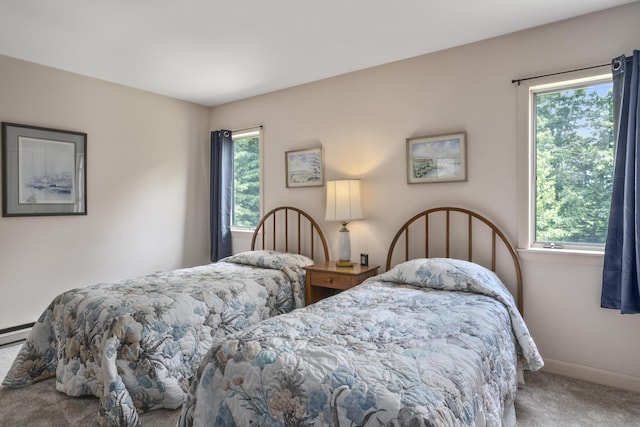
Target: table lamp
343,204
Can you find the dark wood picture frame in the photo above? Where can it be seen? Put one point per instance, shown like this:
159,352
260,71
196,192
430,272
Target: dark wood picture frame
44,171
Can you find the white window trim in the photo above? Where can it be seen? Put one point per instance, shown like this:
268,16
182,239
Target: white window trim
526,160
246,133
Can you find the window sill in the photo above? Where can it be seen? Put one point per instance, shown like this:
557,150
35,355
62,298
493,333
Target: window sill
238,230
561,256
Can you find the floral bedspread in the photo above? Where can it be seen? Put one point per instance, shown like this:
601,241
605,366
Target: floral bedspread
135,344
431,342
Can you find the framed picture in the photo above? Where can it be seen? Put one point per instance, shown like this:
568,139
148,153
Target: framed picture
305,168
437,158
44,171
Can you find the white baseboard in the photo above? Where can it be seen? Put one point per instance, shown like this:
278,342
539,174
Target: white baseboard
14,336
594,375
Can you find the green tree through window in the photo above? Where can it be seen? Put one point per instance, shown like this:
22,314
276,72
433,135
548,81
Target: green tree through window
574,164
246,178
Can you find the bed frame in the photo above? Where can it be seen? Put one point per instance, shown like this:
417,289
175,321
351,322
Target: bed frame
290,229
452,232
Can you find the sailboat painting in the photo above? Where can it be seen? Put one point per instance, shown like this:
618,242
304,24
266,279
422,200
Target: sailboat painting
46,170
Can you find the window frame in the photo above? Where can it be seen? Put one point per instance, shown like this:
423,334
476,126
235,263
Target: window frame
248,133
526,152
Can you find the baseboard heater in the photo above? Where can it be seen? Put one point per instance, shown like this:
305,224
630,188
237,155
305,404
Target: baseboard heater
15,333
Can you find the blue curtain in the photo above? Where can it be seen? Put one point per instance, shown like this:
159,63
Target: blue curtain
620,284
221,193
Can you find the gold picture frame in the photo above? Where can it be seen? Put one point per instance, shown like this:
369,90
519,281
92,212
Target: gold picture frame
305,168
440,158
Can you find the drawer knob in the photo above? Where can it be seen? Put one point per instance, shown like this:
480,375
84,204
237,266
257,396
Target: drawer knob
329,280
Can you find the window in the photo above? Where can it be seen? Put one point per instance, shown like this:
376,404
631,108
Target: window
571,142
246,179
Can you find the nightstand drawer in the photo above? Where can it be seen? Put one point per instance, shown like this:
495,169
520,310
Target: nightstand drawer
327,279
330,280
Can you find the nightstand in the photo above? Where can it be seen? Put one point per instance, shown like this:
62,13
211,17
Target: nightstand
326,279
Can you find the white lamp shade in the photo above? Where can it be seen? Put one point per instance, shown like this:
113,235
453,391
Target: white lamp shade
343,200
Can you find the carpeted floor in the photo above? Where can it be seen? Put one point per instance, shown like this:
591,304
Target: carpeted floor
41,405
546,400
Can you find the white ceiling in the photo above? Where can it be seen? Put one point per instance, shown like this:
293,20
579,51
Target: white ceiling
212,52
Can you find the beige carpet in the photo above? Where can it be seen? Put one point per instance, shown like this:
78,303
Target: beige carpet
545,400
41,405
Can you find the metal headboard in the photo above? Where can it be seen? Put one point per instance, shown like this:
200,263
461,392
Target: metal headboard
290,229
450,247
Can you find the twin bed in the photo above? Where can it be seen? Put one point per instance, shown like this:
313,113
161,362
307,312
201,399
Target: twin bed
433,341
437,339
135,344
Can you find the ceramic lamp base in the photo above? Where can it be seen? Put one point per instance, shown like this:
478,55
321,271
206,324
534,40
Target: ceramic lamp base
344,246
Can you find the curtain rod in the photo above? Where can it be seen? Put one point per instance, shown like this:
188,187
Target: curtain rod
560,72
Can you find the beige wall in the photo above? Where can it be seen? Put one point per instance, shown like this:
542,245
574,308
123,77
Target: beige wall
148,171
363,119
147,188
